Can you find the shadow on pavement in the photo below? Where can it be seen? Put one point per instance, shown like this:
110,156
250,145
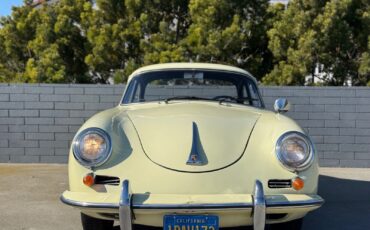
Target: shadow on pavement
347,207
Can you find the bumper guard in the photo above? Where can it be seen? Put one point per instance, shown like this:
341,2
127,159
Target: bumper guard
260,202
125,213
259,207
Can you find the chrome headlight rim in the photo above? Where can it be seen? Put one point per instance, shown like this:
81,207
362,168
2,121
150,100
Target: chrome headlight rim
78,154
311,151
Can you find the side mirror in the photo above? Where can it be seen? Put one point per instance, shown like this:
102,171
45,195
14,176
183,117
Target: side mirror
281,105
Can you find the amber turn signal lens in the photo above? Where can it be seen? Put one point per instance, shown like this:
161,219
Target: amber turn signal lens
89,179
298,183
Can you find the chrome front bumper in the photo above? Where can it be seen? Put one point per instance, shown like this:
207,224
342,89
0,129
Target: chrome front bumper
260,203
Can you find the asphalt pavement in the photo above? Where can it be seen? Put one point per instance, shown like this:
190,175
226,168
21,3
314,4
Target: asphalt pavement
29,199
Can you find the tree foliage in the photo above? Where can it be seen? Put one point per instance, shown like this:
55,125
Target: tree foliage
87,41
322,39
15,33
94,41
46,44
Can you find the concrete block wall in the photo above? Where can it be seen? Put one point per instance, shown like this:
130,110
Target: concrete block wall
38,121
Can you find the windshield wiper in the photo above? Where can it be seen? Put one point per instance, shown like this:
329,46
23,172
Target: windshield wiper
185,98
220,99
239,100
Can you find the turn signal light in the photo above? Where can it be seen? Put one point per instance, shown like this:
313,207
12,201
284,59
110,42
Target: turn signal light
89,179
298,183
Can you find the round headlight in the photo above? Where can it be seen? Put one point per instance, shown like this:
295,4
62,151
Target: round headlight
92,147
295,151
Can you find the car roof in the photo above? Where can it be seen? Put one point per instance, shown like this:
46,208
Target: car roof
191,66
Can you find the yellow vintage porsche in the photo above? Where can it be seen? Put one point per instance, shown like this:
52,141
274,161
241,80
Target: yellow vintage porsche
191,147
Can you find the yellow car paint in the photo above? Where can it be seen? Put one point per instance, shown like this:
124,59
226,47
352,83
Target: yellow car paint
145,137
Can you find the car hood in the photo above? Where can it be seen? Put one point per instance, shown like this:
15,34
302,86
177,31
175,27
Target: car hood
194,136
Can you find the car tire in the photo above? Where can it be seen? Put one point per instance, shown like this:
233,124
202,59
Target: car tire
291,225
91,223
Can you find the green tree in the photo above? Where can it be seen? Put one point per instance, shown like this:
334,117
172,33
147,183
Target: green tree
163,40
292,42
59,44
364,68
44,45
15,32
125,35
330,36
107,31
95,41
232,32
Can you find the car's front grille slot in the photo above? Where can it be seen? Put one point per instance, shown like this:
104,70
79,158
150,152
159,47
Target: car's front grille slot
109,180
280,183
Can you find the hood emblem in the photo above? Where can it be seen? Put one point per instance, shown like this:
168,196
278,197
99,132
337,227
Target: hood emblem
197,156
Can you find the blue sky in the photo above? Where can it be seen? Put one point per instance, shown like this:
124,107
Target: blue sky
6,6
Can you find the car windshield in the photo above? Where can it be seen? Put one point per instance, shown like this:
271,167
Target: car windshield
192,85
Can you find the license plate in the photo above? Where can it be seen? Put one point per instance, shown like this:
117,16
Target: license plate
190,222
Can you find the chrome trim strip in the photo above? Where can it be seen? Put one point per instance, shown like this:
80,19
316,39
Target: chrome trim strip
259,207
195,206
278,201
92,205
125,215
316,201
157,206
